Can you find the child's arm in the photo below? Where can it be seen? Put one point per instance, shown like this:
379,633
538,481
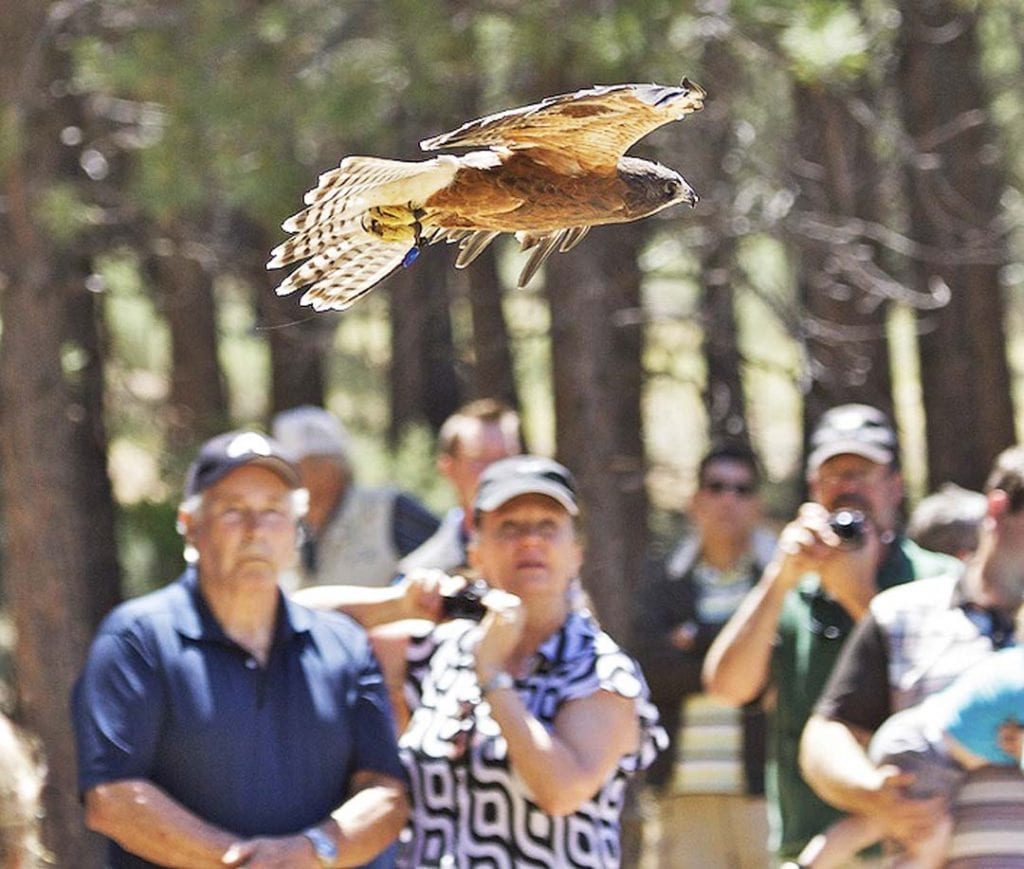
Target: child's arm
963,755
839,843
1011,740
977,708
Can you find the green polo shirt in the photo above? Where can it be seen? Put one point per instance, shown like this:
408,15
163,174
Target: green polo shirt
811,631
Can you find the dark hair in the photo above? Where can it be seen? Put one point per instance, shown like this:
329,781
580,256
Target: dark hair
731,451
948,520
1008,476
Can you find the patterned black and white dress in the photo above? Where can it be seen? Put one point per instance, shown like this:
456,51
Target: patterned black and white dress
470,809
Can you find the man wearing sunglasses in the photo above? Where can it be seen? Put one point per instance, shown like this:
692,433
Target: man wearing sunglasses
683,602
843,546
686,597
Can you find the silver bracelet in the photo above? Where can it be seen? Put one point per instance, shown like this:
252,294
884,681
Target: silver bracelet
497,682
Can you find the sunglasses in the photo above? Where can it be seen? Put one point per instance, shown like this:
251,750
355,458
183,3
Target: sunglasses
719,487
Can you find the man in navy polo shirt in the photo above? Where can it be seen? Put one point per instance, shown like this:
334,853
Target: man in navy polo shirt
217,722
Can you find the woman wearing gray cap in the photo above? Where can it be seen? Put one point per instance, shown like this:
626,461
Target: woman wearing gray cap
521,730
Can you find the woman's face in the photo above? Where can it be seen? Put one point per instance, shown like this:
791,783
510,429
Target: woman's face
528,547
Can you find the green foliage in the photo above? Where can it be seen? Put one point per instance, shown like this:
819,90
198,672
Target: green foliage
244,354
150,546
827,44
11,137
73,360
64,215
1002,62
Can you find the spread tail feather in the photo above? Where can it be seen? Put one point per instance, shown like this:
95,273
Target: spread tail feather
345,271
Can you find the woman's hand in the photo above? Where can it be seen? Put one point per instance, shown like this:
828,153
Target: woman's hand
501,630
421,592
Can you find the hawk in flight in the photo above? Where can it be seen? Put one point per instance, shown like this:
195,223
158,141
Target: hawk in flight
547,172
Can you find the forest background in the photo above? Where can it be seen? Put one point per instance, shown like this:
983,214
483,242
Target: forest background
858,239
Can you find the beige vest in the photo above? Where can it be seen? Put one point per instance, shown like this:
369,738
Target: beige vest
357,545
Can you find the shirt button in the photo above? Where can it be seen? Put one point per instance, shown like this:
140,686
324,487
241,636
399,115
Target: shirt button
251,663
831,632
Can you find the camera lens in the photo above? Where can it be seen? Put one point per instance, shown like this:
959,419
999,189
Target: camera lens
848,526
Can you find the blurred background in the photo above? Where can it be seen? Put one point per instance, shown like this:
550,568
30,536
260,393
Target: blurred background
858,239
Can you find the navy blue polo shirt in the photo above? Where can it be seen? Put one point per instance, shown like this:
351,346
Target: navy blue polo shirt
166,696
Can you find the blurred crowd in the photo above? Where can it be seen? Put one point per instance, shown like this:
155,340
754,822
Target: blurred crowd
339,678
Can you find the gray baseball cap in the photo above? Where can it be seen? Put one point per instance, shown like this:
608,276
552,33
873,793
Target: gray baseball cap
853,429
509,478
310,431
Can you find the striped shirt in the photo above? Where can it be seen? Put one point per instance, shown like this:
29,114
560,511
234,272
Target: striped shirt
916,640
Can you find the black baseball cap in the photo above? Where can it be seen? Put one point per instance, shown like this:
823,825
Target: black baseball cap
222,454
509,478
853,429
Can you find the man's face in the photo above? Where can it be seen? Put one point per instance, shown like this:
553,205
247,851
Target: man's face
727,502
479,445
1002,540
528,547
245,530
854,481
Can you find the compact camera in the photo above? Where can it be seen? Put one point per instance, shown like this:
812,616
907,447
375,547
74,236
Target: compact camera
467,602
848,526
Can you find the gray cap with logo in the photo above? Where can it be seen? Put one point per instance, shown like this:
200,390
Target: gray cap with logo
222,454
853,429
509,478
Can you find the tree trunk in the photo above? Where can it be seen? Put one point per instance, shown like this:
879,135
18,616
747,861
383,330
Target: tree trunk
844,309
424,385
597,345
61,570
197,402
724,399
300,339
955,179
493,373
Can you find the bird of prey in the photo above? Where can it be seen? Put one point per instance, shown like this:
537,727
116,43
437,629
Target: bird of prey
547,173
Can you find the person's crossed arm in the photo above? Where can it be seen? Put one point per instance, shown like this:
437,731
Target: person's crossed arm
833,747
144,820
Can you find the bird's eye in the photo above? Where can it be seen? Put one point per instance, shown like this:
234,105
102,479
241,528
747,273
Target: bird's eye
670,187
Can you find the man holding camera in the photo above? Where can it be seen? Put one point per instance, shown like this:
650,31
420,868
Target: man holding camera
841,548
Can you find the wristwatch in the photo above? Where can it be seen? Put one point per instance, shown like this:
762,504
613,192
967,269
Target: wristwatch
325,848
498,681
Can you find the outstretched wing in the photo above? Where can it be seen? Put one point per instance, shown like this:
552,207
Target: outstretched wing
591,128
364,182
343,260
